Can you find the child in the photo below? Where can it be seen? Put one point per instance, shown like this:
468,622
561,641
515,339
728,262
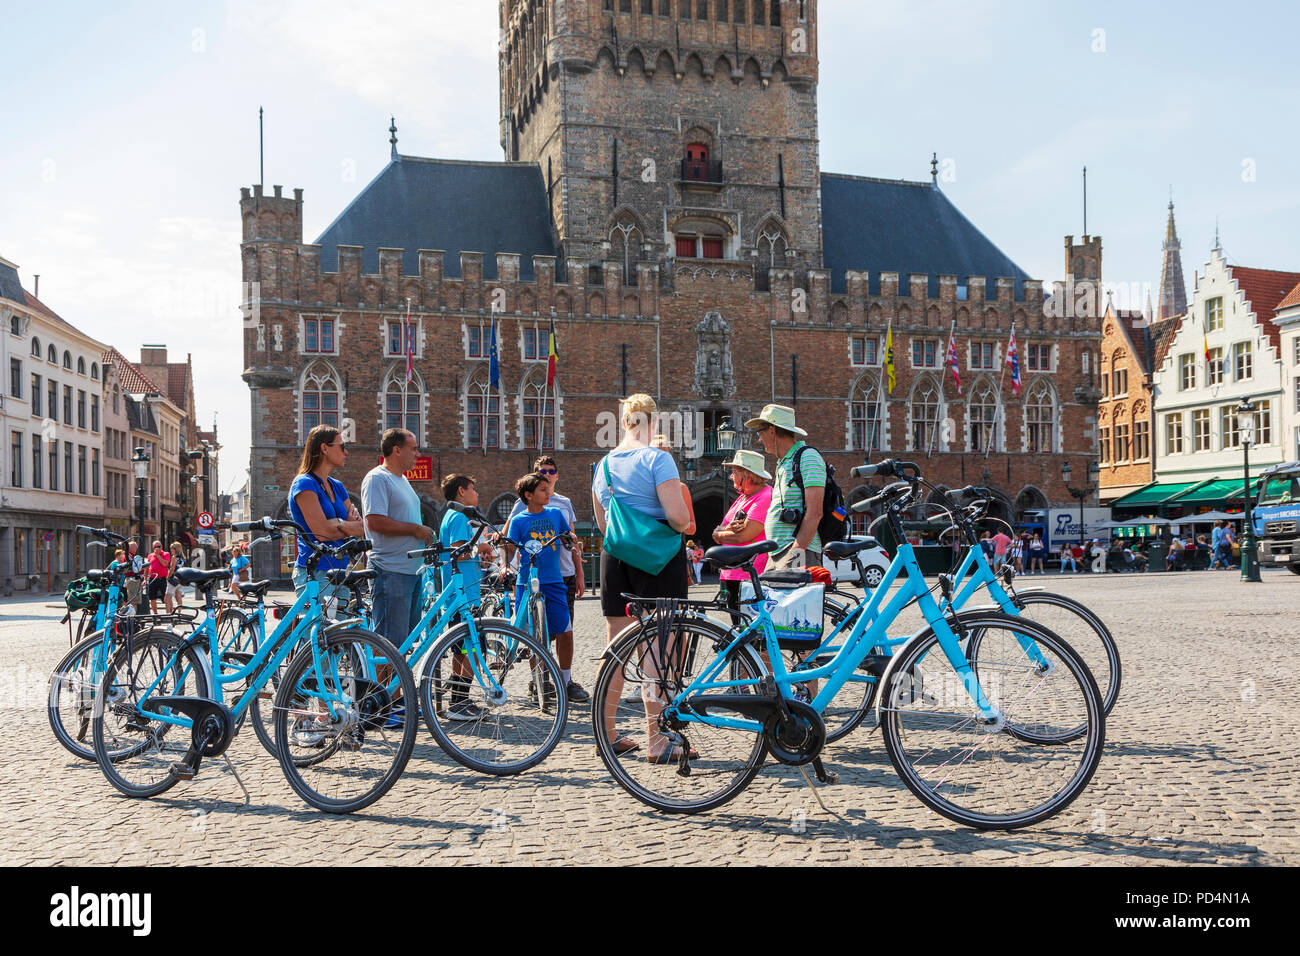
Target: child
455,531
543,527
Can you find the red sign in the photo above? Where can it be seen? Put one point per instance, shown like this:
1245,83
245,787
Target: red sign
205,520
423,470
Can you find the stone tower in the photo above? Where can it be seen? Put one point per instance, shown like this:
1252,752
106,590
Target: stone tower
1173,290
1083,259
668,128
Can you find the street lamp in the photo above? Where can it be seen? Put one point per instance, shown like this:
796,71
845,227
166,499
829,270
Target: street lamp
141,463
1080,493
1249,553
726,436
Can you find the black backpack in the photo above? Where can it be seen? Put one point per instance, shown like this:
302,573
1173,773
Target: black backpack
834,525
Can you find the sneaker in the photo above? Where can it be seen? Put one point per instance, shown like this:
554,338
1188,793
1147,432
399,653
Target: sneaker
576,693
396,717
465,711
548,691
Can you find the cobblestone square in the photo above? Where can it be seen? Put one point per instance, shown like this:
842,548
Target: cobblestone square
1200,767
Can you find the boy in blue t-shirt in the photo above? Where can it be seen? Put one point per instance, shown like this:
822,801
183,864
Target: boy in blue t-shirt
537,534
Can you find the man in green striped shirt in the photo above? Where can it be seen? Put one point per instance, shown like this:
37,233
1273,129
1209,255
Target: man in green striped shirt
792,516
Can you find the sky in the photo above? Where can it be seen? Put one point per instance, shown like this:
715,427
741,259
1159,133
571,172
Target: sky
129,131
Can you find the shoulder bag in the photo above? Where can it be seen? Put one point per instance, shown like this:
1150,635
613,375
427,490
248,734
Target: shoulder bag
636,538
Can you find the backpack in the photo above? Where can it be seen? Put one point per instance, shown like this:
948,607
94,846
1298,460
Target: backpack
834,525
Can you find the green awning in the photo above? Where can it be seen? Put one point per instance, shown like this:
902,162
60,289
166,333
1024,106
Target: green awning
1154,494
1218,490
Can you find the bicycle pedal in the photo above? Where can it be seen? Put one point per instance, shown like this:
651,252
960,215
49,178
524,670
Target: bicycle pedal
824,775
183,771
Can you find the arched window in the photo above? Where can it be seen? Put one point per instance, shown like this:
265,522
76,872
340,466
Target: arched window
537,412
399,392
771,248
81,365
15,325
925,415
483,425
1040,415
36,348
52,356
864,416
319,397
982,413
67,360
94,371
625,245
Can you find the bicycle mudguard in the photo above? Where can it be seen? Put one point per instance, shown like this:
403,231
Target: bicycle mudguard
351,622
998,607
199,643
894,658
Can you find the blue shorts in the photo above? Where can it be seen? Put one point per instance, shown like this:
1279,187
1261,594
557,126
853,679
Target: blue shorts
556,596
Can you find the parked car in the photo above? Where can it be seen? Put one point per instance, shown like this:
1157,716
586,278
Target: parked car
875,562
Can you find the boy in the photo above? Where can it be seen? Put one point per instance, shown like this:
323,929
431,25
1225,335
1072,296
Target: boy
455,531
543,527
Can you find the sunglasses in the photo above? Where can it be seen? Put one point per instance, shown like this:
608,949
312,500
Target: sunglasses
339,445
547,471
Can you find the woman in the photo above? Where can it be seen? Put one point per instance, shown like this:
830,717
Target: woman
1017,554
1037,552
158,565
1067,557
239,563
645,480
175,592
745,519
321,503
697,561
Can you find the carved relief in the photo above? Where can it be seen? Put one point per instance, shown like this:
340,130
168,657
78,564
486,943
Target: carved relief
714,379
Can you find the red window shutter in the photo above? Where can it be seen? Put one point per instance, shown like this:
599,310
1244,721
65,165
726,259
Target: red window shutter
686,247
712,249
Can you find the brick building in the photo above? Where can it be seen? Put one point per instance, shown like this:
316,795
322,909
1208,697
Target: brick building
662,203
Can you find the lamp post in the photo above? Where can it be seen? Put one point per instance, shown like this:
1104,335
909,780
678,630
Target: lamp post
726,445
1080,493
1249,552
141,463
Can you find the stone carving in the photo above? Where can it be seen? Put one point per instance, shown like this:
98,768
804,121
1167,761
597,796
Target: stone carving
714,379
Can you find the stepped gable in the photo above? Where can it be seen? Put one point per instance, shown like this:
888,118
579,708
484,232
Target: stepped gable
453,205
893,225
1265,290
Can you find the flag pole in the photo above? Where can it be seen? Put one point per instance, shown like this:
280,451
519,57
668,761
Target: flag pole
1002,406
934,435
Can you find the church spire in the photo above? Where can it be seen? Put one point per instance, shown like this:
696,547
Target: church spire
1173,289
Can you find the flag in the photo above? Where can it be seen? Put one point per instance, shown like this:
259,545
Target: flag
494,370
408,335
552,356
889,356
1206,343
1013,359
952,361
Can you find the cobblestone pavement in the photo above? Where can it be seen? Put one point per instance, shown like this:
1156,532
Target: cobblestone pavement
1200,767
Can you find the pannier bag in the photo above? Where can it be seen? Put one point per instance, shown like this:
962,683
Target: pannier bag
81,594
795,609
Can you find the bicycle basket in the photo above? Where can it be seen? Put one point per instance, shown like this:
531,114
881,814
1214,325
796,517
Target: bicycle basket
82,595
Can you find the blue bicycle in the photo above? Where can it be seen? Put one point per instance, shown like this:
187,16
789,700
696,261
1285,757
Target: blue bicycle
341,744
1003,738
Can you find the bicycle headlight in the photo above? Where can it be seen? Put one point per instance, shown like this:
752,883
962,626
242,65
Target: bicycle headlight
535,586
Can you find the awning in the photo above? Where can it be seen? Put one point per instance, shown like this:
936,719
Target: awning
187,539
1218,490
1155,493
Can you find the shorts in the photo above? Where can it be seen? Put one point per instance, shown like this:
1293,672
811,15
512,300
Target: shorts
176,590
617,577
157,588
557,606
571,593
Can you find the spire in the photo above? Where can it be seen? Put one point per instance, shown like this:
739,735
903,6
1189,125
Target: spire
934,168
1217,247
392,129
1173,288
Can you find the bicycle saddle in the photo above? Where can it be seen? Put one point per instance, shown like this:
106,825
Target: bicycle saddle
736,555
99,576
202,578
255,589
842,549
342,577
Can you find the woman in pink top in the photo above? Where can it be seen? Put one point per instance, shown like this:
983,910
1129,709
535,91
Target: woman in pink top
743,523
160,563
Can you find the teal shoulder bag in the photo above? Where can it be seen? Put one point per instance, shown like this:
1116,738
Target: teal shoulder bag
635,537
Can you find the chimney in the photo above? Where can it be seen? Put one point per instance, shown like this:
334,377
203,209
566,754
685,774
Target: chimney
36,293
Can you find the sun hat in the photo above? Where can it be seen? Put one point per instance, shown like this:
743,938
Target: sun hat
782,416
750,461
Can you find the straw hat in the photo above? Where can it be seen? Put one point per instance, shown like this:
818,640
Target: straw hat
750,461
782,416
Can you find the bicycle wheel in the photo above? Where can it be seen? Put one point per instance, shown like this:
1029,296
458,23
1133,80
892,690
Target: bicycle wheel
341,740
1083,631
72,693
484,705
989,776
857,698
721,761
135,750
230,621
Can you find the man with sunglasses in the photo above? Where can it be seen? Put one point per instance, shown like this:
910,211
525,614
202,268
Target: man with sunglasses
570,570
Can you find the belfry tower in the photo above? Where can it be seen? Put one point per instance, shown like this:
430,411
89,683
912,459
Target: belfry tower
1173,289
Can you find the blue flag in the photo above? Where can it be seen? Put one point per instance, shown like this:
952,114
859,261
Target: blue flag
494,371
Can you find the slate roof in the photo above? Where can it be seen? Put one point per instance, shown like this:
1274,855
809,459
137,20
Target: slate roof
888,225
456,206
139,416
11,287
1265,289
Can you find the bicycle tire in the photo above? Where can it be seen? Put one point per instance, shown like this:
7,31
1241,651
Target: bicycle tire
937,743
517,731
136,753
72,695
369,729
857,698
730,757
1086,634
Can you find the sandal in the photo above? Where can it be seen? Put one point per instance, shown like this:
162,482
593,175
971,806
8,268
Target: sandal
673,752
625,745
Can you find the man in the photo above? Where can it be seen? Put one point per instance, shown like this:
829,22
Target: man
1001,542
791,516
574,583
1216,547
392,519
133,573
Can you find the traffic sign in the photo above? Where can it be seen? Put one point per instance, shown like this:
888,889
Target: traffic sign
205,520
47,537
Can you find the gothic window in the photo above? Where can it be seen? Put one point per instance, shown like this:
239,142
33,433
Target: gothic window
759,19
982,413
625,246
722,11
1040,418
319,397
483,426
398,393
701,9
771,248
776,12
537,411
864,416
925,415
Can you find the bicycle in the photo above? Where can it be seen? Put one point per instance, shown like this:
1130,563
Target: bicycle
159,712
982,742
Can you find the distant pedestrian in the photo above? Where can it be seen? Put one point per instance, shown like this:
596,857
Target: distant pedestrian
696,554
1067,558
1016,553
238,568
1001,544
175,591
1037,554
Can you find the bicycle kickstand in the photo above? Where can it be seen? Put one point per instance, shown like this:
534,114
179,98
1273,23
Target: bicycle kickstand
816,796
239,780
